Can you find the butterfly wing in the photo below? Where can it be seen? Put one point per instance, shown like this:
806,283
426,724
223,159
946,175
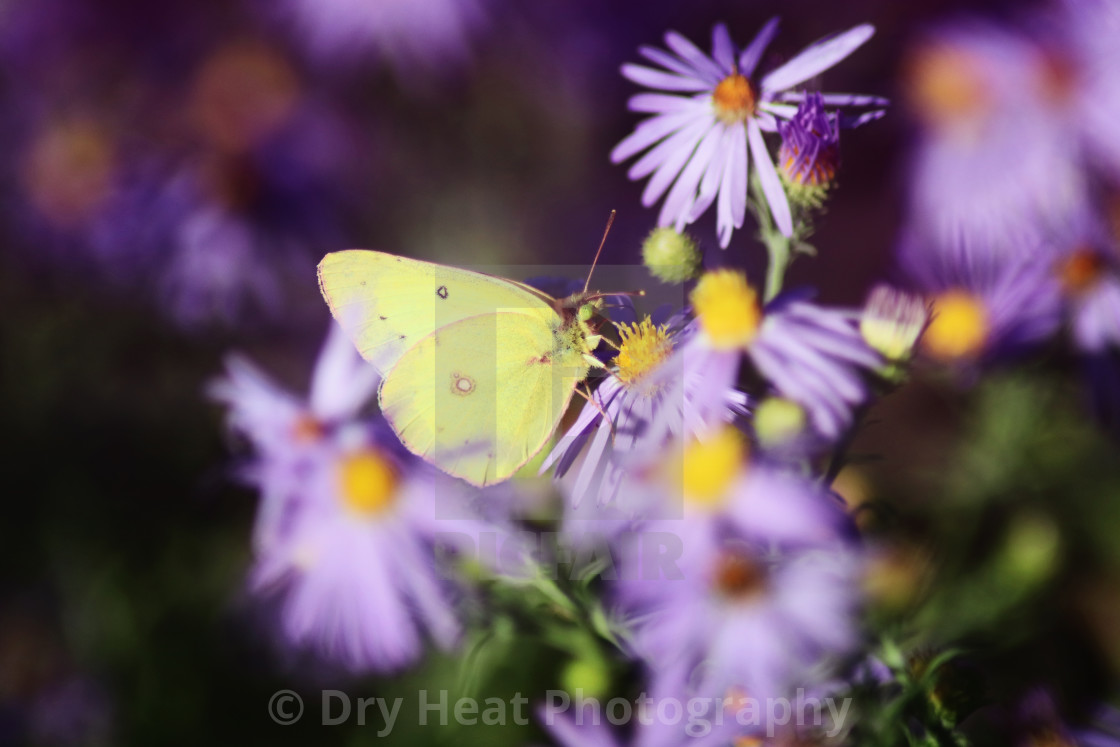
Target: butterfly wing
387,304
481,396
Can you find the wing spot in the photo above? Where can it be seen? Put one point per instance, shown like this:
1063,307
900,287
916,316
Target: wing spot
442,291
461,385
401,337
382,318
362,283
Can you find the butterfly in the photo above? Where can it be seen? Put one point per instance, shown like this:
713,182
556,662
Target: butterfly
477,369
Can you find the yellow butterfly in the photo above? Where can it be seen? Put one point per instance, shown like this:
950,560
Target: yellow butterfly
477,370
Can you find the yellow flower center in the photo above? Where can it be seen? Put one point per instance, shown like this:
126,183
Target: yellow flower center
709,466
733,98
727,308
644,346
738,577
943,84
368,482
1081,271
959,327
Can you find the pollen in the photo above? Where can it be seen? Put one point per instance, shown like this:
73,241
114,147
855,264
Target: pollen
1081,271
959,327
738,577
710,466
368,482
727,308
644,346
733,98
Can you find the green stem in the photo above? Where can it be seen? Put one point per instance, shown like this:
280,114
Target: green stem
777,246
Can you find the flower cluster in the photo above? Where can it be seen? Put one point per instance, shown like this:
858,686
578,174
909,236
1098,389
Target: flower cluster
699,527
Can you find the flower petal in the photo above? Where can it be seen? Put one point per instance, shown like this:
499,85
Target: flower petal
649,132
679,202
676,64
674,153
693,55
726,217
660,103
817,58
748,60
723,50
771,184
709,185
647,76
838,99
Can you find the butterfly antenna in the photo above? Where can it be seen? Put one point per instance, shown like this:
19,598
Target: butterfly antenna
610,222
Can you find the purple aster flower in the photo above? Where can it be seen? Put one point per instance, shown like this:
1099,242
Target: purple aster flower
354,569
1090,280
650,397
716,110
993,312
995,174
813,356
404,33
810,150
240,228
1084,60
761,591
348,525
287,430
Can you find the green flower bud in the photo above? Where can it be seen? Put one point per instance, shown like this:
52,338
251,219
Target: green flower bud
671,257
778,421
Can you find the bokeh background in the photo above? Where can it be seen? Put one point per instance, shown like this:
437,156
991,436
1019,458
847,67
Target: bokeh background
172,173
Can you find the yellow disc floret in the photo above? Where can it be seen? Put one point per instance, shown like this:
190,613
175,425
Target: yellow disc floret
733,98
644,346
959,327
710,465
727,308
368,482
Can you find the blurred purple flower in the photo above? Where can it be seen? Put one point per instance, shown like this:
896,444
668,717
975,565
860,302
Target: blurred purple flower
1090,281
238,228
287,430
986,312
1084,64
996,173
813,356
405,33
761,589
348,524
355,568
649,398
701,140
